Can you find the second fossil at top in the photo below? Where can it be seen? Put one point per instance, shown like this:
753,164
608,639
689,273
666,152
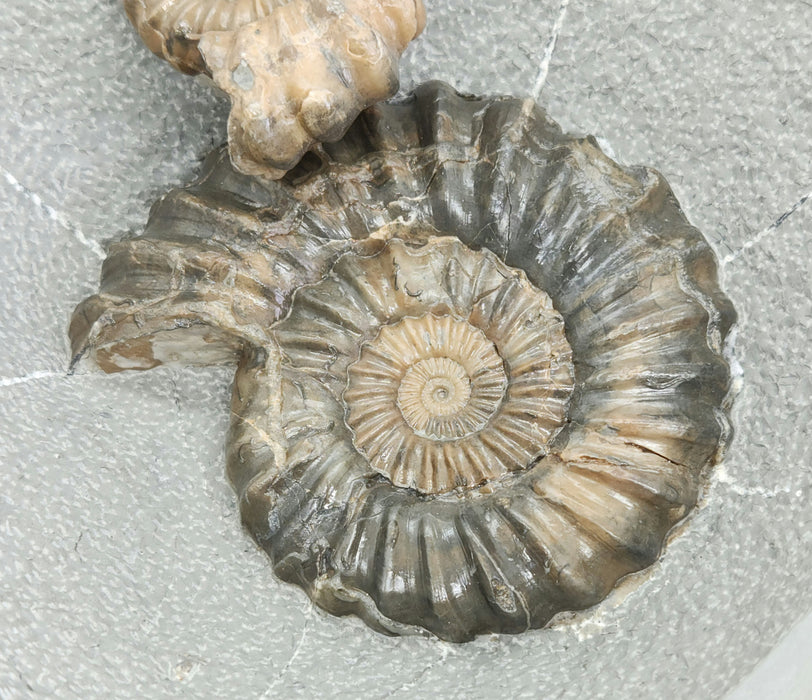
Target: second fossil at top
298,73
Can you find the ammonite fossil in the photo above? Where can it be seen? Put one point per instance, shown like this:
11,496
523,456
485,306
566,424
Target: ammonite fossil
298,71
481,371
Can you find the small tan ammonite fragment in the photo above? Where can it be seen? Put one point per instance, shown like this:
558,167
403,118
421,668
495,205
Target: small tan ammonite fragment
297,72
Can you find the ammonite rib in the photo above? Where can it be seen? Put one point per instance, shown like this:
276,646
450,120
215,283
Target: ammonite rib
451,368
442,231
298,72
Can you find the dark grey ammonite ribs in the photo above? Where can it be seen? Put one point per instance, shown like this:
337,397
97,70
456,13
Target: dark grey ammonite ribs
480,364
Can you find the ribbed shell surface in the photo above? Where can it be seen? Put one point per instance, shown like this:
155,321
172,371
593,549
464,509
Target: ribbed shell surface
635,284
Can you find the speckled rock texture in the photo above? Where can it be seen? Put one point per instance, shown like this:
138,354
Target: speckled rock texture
125,571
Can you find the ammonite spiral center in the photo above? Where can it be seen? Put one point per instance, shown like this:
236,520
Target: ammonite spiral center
447,379
433,389
467,375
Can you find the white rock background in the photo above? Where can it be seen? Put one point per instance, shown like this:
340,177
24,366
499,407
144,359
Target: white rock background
124,571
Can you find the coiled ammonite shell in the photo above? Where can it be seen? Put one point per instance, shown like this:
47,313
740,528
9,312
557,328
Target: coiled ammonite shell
464,373
298,71
481,371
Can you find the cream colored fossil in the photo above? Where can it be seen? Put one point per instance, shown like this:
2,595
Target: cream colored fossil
297,72
481,370
463,372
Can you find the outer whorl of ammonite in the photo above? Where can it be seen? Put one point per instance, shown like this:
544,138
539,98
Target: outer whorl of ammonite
454,368
314,284
298,71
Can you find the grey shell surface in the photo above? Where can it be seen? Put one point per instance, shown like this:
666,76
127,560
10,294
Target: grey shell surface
630,414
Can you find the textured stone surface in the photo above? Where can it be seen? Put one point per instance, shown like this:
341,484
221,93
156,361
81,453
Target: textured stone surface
124,568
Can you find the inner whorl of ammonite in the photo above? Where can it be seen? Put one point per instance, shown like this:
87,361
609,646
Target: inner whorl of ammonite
473,387
445,377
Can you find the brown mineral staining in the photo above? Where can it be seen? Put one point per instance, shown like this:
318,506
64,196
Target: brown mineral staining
481,370
298,72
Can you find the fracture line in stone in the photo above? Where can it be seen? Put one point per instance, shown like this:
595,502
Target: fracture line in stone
774,226
544,67
52,213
